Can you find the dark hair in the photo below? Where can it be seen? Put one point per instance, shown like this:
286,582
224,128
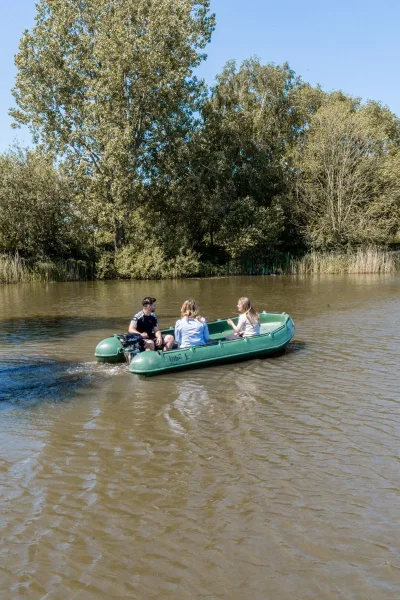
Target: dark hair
148,300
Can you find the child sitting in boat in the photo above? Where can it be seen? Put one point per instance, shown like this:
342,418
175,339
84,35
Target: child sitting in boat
248,322
191,329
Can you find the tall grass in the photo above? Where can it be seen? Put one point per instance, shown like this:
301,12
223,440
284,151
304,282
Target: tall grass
262,266
62,270
367,260
14,269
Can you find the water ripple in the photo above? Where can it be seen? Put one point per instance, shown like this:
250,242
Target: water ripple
274,478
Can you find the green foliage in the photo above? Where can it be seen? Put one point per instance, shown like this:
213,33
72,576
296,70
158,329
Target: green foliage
184,264
109,85
347,176
145,263
105,266
237,169
149,262
249,229
61,270
156,172
37,217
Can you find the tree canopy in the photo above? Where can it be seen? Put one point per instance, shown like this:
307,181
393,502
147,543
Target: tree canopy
38,217
347,191
108,85
145,169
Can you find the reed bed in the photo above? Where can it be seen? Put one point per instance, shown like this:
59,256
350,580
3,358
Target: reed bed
367,260
62,270
14,269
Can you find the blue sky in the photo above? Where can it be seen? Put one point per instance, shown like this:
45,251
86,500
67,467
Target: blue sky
351,45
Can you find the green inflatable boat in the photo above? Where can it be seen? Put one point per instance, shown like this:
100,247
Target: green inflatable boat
276,332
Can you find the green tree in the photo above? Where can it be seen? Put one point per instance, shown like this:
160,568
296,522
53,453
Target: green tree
37,216
347,175
237,172
108,84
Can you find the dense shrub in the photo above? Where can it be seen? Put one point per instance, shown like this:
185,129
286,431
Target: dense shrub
151,263
105,266
146,263
186,264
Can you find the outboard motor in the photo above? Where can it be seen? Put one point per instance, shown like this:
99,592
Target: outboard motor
132,344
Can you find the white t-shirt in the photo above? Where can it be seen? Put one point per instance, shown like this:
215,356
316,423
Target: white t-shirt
246,327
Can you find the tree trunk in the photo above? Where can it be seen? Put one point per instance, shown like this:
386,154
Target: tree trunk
119,236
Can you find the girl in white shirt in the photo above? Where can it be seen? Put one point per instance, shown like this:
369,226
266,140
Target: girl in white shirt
248,322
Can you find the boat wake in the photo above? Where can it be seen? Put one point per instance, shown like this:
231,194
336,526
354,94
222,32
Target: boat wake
26,382
99,369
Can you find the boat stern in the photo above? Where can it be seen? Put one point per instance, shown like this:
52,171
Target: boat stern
110,350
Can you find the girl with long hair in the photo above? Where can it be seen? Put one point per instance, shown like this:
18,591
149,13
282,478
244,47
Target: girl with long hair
191,329
248,322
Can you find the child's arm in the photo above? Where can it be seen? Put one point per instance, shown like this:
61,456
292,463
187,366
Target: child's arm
235,328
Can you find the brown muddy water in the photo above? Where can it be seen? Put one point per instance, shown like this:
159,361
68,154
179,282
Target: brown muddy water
270,479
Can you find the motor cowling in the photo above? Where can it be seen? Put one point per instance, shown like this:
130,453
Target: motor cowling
132,344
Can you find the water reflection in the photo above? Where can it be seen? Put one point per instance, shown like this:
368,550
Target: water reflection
192,400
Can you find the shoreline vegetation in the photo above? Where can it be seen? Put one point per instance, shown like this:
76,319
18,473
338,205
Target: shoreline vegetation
372,260
14,269
140,170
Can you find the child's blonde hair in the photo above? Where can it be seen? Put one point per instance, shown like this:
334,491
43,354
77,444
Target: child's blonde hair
249,311
189,309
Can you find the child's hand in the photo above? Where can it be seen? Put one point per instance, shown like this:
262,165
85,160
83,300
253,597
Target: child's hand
230,322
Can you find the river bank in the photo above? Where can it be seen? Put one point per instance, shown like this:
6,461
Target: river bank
372,260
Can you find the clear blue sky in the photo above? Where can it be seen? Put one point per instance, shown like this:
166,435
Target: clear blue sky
351,45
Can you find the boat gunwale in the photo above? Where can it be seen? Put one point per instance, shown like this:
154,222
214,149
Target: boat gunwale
215,360
247,351
252,348
225,341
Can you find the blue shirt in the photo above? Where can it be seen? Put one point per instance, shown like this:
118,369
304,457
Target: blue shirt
191,332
